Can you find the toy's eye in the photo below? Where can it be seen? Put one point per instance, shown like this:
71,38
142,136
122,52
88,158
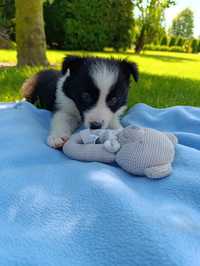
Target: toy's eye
112,101
86,97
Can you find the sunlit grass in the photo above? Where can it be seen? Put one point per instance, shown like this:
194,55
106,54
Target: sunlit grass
166,78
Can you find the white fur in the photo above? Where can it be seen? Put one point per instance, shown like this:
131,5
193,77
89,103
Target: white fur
115,122
104,77
65,120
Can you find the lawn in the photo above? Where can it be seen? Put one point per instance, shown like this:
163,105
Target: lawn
166,79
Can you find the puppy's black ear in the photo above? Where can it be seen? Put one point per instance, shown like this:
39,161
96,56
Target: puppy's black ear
72,63
130,68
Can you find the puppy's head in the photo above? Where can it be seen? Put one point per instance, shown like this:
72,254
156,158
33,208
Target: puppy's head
98,87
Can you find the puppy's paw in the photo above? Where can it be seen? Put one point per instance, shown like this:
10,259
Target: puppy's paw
57,142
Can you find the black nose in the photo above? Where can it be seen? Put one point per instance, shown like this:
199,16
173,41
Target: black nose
95,125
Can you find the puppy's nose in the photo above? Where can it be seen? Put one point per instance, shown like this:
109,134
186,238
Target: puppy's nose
95,125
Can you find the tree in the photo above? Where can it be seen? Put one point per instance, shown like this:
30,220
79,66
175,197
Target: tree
183,24
88,25
120,24
30,36
85,26
55,16
151,15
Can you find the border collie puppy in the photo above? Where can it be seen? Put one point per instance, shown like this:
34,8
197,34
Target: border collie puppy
89,90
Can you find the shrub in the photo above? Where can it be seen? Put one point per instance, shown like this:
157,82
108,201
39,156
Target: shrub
199,46
194,46
172,41
187,46
6,44
166,48
180,41
88,25
120,23
177,49
164,41
55,14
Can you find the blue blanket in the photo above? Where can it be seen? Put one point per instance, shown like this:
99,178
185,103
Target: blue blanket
55,211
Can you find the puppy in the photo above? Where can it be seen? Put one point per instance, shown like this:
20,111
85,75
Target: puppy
93,91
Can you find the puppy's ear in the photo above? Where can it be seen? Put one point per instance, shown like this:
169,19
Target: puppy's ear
72,63
130,68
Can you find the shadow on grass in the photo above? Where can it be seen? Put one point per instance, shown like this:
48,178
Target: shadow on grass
165,91
160,57
155,90
168,58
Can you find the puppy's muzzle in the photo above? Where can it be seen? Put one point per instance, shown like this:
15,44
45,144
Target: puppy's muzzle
95,125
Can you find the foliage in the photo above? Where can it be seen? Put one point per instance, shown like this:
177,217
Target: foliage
6,43
88,25
164,40
120,24
151,15
180,41
172,41
85,28
194,46
55,14
7,18
151,47
187,46
183,24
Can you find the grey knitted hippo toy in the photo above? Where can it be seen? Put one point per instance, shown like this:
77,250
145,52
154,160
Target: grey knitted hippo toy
139,151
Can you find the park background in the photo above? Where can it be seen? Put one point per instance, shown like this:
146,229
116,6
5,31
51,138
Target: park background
160,35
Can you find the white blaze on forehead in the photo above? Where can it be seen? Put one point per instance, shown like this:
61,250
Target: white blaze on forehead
104,75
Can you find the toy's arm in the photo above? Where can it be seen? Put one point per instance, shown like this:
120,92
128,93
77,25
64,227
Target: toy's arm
75,149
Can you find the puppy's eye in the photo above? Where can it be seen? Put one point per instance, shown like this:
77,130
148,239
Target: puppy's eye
86,97
112,101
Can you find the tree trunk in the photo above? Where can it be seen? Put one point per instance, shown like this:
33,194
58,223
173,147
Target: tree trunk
30,35
140,41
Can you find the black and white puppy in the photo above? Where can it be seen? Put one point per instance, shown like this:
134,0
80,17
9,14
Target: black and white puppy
89,90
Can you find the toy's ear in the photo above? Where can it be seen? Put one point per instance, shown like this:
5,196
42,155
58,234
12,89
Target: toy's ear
72,63
130,68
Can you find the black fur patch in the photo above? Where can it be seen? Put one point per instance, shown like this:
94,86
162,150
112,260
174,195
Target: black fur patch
45,89
80,88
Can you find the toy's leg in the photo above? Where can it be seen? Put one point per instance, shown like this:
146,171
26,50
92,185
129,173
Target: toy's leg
62,126
158,171
172,137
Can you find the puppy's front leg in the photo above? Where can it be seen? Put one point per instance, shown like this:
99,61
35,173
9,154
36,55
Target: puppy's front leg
115,123
62,126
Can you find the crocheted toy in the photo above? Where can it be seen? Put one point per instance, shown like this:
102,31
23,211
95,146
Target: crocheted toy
139,151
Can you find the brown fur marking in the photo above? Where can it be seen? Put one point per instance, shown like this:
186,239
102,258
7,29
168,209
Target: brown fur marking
28,87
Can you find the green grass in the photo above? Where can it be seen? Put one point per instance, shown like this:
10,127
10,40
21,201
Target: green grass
166,79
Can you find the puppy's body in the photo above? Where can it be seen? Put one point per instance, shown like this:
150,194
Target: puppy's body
89,90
